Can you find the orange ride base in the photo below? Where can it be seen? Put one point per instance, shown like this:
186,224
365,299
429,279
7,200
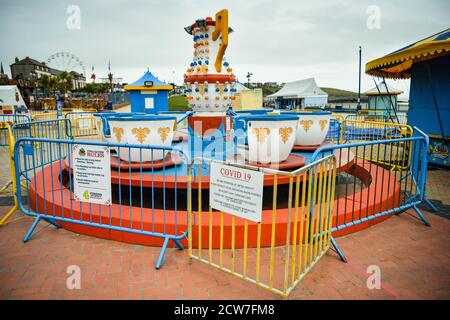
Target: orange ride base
55,201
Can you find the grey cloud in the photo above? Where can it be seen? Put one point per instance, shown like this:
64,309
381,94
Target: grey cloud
276,40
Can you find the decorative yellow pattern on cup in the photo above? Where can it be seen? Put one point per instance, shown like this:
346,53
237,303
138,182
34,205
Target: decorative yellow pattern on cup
323,123
306,124
261,133
285,133
163,132
118,132
140,133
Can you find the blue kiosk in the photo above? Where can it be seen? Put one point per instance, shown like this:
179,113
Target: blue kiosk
427,63
149,94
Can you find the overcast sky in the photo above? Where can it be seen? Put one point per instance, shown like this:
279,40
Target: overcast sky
275,40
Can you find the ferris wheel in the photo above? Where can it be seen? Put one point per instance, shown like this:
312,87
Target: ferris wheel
66,61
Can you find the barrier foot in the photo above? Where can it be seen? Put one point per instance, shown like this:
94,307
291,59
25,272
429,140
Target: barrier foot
421,216
430,204
178,244
338,250
10,212
6,186
162,253
30,231
57,225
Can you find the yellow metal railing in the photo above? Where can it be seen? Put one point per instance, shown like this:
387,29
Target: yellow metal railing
83,125
83,121
395,156
293,235
40,115
12,169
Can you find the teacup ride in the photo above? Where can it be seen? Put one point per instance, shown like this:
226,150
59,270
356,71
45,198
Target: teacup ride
312,129
267,141
264,140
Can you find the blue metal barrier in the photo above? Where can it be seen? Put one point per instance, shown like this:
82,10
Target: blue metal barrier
46,129
405,184
334,131
145,201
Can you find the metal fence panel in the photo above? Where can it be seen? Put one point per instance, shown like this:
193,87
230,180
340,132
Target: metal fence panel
83,124
145,202
9,120
370,188
276,253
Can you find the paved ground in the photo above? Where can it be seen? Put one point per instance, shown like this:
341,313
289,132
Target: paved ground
414,261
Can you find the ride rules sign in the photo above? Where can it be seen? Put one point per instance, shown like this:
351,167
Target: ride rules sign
91,174
236,191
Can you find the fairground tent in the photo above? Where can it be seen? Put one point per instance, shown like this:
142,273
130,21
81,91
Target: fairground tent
299,94
10,99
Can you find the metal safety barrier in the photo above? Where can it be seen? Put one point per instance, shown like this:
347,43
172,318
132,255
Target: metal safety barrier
7,147
334,131
378,117
294,232
9,120
353,131
47,129
368,189
40,115
60,129
145,202
12,182
83,124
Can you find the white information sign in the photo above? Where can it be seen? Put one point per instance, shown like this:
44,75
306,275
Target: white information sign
91,173
236,191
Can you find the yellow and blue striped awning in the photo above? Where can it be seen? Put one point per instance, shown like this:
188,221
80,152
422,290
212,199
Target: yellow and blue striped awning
398,63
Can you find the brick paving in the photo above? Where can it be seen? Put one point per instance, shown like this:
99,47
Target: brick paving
437,191
413,259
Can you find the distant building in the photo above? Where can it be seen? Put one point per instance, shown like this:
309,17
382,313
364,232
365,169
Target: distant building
78,80
270,84
299,95
29,69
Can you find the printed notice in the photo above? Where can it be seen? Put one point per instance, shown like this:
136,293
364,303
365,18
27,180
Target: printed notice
236,191
91,174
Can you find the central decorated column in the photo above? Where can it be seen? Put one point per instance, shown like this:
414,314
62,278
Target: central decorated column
209,81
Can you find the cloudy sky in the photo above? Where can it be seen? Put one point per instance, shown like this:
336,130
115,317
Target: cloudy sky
275,40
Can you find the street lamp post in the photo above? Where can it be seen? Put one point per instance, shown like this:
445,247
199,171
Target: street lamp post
248,79
359,82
